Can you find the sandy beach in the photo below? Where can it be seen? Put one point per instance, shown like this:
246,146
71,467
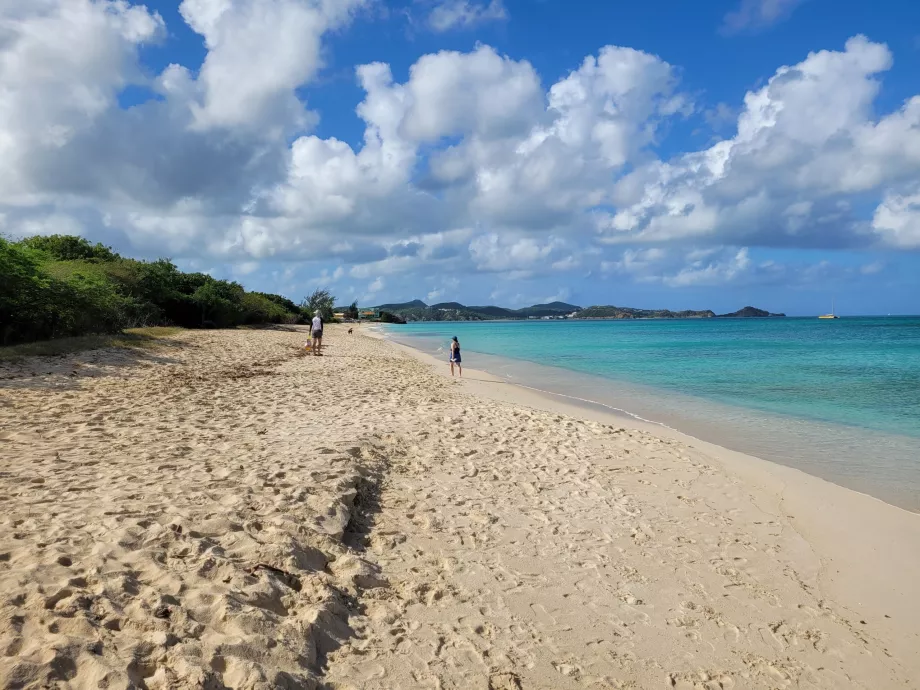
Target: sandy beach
226,512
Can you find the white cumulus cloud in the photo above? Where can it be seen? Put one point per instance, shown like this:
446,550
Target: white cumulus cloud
897,220
258,53
473,162
805,143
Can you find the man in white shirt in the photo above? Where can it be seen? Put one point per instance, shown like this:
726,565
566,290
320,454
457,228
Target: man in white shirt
317,329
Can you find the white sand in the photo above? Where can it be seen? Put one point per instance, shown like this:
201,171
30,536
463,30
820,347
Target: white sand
225,513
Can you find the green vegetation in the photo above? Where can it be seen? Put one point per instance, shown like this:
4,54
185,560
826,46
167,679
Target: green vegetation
352,311
454,311
433,314
417,310
387,317
321,302
611,312
750,313
402,306
63,286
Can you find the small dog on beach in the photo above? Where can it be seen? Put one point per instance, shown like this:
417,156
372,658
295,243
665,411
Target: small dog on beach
349,331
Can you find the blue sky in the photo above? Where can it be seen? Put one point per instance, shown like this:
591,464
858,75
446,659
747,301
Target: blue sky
657,154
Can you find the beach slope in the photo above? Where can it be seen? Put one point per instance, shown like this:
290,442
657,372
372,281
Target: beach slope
225,512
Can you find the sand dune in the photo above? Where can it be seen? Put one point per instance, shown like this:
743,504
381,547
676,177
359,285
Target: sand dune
227,513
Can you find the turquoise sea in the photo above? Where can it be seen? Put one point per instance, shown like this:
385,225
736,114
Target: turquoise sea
839,399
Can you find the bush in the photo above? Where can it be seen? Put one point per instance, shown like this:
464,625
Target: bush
220,307
87,303
23,293
159,281
283,302
59,286
258,308
69,248
71,299
387,317
128,277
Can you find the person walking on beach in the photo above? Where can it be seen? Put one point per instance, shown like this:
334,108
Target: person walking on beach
317,332
455,356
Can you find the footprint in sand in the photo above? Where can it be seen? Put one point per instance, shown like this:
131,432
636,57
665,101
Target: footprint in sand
504,681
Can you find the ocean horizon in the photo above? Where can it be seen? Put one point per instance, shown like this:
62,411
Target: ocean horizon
839,399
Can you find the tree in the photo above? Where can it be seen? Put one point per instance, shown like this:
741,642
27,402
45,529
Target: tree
22,293
69,248
159,281
258,308
387,317
280,300
217,304
321,302
352,311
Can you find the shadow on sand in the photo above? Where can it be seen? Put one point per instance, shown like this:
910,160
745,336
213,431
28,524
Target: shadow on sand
62,364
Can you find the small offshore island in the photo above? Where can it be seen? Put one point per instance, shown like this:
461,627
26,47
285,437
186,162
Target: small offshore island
454,311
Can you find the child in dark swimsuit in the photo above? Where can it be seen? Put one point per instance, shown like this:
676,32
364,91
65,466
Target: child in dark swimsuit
455,356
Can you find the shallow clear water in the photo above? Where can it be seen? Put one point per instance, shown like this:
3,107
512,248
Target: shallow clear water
840,399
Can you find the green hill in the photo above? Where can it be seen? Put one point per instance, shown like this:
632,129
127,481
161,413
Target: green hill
612,312
750,313
417,310
393,308
562,307
455,311
551,309
496,312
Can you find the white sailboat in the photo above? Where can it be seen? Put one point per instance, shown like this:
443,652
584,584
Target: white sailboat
832,315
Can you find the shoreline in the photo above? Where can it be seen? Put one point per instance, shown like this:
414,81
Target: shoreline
860,533
802,443
622,414
228,512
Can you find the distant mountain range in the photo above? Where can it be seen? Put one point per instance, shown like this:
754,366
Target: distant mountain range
454,311
417,310
629,313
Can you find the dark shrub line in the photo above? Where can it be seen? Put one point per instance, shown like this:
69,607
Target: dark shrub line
59,286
